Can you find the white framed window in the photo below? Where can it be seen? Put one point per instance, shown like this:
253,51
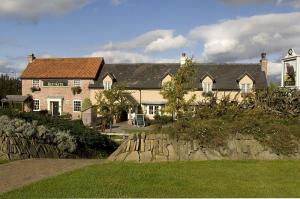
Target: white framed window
246,88
35,83
107,85
151,110
36,105
156,110
207,87
77,83
76,105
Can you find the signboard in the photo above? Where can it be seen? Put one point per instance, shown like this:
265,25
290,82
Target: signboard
55,83
289,76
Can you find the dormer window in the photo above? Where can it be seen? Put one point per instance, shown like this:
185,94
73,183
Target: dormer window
35,83
108,80
107,85
246,83
246,88
207,83
166,78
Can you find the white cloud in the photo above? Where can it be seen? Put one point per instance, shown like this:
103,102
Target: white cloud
153,41
35,9
117,2
10,68
167,43
291,3
274,69
246,38
116,56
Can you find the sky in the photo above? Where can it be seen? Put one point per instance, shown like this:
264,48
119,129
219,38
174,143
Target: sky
134,31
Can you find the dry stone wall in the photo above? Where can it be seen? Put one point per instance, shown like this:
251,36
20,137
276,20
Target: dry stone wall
20,139
160,147
19,147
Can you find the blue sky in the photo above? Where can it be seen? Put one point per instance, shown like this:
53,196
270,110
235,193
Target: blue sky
148,30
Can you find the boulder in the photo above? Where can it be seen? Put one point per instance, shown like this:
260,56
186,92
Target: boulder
146,156
197,155
133,157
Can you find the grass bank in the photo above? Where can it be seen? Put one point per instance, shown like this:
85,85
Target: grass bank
3,161
175,179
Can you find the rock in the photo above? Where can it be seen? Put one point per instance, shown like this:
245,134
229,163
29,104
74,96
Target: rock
147,145
172,154
267,155
197,155
133,157
121,157
146,156
128,145
212,154
161,158
195,145
142,148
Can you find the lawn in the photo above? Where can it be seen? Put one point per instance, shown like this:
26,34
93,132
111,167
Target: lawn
177,179
3,161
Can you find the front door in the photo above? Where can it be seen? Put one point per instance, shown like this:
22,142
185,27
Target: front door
55,108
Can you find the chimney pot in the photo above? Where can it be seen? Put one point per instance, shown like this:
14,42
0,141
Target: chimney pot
30,58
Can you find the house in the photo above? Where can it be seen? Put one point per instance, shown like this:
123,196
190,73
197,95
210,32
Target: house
59,85
50,82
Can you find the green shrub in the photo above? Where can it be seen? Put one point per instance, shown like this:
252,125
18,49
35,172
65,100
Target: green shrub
89,141
162,119
87,103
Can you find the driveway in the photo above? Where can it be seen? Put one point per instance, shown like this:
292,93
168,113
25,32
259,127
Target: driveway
19,173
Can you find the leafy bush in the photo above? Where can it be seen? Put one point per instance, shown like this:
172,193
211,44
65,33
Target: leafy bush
13,126
162,119
87,103
89,142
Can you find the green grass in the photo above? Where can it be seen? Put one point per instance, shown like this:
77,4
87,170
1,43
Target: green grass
3,161
136,131
177,179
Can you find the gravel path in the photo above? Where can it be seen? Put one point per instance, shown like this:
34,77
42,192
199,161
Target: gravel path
19,173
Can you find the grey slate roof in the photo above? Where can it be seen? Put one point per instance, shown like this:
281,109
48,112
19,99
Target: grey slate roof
15,98
149,76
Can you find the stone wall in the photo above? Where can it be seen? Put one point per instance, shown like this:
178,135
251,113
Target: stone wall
160,147
19,147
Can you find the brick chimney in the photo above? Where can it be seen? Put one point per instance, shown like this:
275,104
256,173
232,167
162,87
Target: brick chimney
30,58
264,63
183,59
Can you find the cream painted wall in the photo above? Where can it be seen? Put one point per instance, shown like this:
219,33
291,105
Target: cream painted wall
153,96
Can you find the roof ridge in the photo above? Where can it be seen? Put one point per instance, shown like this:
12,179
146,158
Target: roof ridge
52,58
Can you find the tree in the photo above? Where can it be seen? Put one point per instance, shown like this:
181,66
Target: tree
175,91
110,103
9,86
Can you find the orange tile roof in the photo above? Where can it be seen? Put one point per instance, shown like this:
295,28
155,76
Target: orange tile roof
53,68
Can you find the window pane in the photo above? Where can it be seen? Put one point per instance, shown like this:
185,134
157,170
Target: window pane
77,106
151,111
35,83
76,83
36,105
156,110
107,85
